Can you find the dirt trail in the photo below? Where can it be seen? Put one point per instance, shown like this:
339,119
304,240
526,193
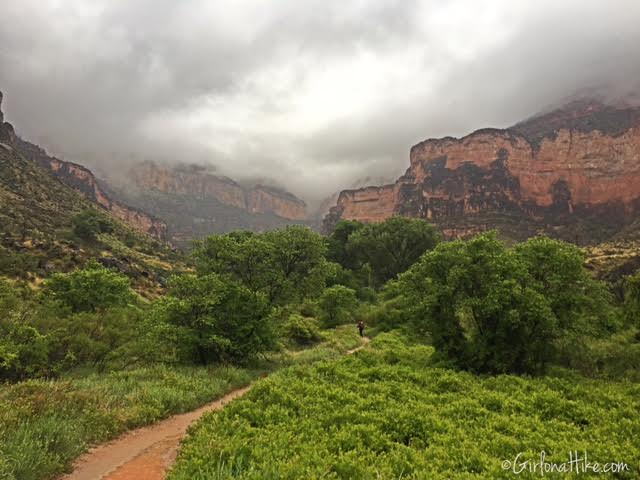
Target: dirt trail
147,453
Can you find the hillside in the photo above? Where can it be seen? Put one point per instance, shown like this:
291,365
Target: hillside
37,237
573,173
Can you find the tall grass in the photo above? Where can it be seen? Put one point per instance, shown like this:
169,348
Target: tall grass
44,425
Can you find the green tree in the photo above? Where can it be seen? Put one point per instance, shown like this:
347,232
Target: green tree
300,262
338,241
557,270
390,247
89,223
337,305
285,265
90,289
215,319
480,304
23,349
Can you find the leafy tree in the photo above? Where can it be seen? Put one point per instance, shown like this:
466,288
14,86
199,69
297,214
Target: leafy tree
89,223
337,305
390,247
285,265
90,289
215,319
488,308
300,257
557,270
338,241
23,349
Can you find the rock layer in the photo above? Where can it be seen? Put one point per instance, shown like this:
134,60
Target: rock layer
196,182
195,202
573,173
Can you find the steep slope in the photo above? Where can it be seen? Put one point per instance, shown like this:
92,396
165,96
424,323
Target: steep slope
36,227
195,202
573,173
82,179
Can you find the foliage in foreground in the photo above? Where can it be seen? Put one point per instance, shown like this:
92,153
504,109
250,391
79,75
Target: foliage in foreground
386,413
45,424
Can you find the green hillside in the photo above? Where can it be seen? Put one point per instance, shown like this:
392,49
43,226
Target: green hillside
41,230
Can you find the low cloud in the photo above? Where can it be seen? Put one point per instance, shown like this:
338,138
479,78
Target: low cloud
312,94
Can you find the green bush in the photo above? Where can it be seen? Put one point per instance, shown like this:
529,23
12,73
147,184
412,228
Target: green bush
90,289
337,305
214,319
301,330
90,223
632,300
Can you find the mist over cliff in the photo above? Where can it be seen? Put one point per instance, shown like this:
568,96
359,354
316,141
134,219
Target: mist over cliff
314,95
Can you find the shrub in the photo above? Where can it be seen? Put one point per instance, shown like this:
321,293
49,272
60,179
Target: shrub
301,330
337,305
89,290
89,223
215,319
632,300
493,309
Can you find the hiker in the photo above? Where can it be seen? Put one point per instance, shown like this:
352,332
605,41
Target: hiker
361,328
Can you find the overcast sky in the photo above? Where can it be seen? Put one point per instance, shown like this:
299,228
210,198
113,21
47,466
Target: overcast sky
314,94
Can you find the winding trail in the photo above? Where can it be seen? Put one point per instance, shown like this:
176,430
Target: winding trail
147,453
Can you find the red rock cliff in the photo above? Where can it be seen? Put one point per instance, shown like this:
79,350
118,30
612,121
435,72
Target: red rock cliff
573,173
197,182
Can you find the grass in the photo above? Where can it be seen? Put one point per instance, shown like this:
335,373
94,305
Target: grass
45,425
386,412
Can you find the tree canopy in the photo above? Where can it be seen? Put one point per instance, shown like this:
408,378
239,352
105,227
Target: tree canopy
494,309
381,251
285,265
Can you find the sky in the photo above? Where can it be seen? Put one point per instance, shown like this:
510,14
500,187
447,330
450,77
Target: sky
313,95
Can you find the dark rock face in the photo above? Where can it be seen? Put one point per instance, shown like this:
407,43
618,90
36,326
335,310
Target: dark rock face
573,173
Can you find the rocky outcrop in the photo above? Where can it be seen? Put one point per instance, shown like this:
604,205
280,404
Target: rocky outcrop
6,129
195,181
188,180
573,173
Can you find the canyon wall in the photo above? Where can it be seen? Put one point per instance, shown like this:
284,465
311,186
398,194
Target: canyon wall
573,173
196,182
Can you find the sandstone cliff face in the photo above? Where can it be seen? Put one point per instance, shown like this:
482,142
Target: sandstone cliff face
262,199
572,173
195,182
